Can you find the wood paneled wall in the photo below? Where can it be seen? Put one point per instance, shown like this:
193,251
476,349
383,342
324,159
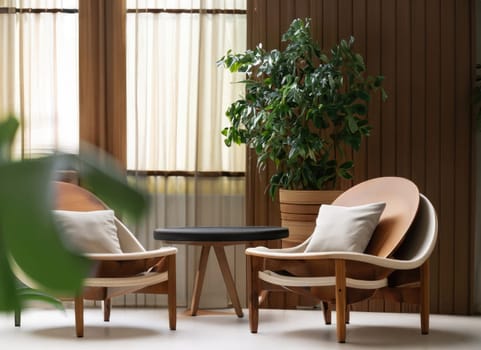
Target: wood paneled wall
424,131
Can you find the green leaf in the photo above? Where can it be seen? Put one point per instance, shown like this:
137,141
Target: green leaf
28,294
8,128
30,235
352,124
359,109
104,177
30,242
298,95
347,165
9,299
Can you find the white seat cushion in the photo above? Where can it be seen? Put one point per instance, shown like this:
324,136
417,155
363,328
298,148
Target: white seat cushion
89,231
341,228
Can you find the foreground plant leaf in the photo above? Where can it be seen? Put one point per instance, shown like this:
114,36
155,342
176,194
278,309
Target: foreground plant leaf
8,294
101,174
28,294
8,129
30,235
30,241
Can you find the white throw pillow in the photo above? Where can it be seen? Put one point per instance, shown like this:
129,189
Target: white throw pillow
89,231
344,228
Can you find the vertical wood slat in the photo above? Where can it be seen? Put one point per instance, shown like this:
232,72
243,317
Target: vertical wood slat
401,125
424,130
446,213
316,16
373,55
463,122
403,89
418,98
433,127
345,20
475,260
389,60
256,21
329,22
344,32
375,49
302,8
360,34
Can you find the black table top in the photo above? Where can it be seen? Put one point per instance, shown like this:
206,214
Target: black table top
221,233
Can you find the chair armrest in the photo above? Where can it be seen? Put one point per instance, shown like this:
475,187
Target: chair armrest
281,254
157,253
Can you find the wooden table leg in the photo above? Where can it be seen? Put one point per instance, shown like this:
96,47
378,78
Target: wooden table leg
199,279
229,281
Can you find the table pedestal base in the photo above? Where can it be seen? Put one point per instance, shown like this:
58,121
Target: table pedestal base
226,274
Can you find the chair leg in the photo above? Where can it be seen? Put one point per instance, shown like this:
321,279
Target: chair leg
79,316
17,317
348,313
171,293
327,312
253,265
341,300
107,307
424,297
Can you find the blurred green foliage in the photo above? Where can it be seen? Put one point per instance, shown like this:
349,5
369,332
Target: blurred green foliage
29,239
302,108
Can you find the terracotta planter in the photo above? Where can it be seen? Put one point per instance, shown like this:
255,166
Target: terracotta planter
299,212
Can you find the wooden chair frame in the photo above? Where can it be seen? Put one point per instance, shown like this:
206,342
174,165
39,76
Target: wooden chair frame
343,278
133,271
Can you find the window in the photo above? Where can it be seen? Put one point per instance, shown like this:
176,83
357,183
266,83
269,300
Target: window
39,73
176,95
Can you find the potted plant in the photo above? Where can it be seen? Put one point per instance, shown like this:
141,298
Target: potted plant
302,109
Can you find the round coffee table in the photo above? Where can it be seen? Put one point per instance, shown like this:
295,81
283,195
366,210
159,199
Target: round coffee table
218,237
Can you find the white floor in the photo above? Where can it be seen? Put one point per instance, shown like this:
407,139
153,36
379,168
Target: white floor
139,328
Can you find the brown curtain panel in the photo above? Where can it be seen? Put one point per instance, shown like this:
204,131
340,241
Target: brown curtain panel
102,75
424,131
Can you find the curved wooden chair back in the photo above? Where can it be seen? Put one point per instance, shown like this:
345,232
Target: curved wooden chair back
402,201
75,198
422,236
133,271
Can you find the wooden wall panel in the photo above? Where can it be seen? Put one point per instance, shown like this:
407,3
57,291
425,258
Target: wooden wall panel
359,31
375,28
433,127
445,207
463,268
424,131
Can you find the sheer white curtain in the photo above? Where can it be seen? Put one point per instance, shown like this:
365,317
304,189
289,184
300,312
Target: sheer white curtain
176,100
39,73
176,94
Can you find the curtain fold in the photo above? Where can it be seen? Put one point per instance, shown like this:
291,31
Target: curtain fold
177,96
39,74
103,80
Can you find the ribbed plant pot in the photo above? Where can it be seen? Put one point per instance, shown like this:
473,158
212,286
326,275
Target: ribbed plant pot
299,211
